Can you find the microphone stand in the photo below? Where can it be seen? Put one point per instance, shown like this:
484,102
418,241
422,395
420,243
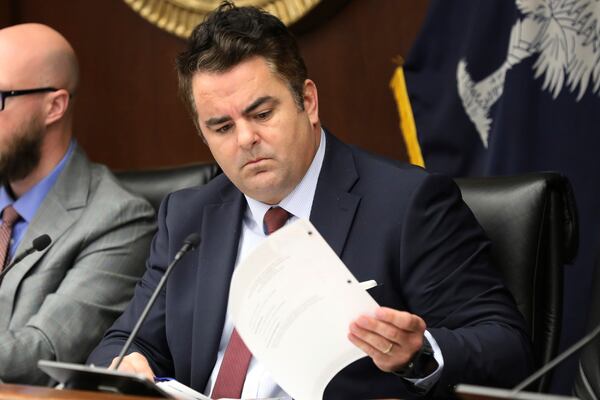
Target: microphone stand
557,360
190,242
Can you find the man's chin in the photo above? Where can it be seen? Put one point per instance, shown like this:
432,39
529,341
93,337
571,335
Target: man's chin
23,153
16,170
269,193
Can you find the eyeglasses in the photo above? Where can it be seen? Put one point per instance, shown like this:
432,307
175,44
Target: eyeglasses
13,93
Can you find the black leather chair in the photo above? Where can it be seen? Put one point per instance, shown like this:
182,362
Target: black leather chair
587,378
532,222
155,184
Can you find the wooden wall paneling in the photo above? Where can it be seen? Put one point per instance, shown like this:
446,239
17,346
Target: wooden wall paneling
350,59
128,112
6,12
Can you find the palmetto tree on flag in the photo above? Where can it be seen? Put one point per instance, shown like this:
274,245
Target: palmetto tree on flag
565,34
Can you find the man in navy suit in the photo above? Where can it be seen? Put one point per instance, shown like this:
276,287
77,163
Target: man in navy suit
445,317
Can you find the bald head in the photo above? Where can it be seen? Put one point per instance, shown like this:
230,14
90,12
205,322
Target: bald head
35,55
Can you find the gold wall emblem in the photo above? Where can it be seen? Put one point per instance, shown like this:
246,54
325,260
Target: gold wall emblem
180,17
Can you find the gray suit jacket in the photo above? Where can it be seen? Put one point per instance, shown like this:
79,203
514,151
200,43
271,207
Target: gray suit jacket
57,303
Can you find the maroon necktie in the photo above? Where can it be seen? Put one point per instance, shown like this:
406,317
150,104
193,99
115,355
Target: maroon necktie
9,217
232,374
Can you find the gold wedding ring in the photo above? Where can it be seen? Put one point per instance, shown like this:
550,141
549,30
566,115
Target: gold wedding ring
386,351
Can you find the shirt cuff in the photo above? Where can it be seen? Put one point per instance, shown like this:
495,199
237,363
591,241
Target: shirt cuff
427,383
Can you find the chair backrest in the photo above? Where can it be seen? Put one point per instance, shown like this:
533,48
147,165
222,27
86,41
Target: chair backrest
155,184
587,378
532,223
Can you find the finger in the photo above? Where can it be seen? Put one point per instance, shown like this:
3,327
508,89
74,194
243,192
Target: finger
113,364
372,338
375,332
370,350
383,361
401,319
388,332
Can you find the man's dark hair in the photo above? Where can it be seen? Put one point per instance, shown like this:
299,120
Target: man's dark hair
230,35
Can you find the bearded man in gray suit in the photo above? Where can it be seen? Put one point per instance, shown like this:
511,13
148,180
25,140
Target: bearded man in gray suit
56,303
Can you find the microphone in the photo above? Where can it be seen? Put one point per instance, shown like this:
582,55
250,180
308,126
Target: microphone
38,244
557,360
190,242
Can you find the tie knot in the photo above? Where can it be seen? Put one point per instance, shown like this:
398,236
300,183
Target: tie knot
9,215
274,219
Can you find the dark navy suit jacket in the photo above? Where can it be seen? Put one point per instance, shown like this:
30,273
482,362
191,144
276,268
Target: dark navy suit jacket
404,228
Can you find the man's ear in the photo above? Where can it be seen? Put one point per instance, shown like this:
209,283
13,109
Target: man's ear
311,101
57,105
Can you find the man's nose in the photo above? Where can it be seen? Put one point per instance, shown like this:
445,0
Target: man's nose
247,136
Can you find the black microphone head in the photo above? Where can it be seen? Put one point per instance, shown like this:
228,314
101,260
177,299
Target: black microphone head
192,240
41,242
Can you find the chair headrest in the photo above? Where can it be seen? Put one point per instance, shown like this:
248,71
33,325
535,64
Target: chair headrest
155,184
517,193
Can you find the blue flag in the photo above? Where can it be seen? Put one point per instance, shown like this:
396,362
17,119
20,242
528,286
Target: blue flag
503,87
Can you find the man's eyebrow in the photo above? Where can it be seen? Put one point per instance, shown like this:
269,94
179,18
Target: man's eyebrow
217,120
255,104
259,102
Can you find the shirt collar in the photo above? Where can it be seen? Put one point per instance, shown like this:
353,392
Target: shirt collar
28,204
299,201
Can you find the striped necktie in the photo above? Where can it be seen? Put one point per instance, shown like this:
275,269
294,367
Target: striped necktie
9,217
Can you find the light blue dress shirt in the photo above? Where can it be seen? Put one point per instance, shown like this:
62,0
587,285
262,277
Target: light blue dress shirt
28,204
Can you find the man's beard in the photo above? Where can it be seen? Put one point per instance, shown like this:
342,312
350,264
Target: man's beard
22,154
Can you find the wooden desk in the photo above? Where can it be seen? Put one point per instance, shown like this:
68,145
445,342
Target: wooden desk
18,392
21,392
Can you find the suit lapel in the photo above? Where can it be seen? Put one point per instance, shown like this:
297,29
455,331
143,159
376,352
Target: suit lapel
59,210
334,206
221,230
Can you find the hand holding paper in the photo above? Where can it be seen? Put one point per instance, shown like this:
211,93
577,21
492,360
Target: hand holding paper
390,339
